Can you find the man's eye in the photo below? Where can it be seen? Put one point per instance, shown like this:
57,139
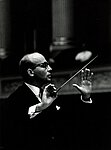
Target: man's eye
44,65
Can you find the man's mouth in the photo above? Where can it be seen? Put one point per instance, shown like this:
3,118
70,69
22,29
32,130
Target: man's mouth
49,76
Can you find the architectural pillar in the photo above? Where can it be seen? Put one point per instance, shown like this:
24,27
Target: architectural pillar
4,28
62,23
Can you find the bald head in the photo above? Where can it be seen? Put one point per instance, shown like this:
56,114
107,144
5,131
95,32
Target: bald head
34,58
29,61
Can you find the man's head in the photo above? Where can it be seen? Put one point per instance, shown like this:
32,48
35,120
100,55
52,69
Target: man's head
35,69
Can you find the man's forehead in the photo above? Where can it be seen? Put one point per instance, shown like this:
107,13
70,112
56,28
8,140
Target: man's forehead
37,58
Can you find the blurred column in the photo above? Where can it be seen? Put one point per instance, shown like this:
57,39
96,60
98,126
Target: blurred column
62,18
4,28
109,27
62,24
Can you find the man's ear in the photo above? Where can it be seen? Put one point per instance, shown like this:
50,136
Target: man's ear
30,72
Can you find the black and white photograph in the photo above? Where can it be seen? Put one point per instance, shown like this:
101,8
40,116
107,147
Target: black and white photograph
55,75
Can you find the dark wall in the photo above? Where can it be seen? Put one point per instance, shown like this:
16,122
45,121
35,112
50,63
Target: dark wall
26,17
91,25
91,30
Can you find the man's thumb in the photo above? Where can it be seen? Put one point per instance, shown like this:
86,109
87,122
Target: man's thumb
77,86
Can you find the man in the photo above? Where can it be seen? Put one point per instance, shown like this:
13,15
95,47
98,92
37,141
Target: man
31,117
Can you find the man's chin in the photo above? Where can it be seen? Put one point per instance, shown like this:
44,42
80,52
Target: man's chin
49,78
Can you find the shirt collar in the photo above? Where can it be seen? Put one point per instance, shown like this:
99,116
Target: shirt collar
34,89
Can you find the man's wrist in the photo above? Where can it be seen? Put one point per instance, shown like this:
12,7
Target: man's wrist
88,100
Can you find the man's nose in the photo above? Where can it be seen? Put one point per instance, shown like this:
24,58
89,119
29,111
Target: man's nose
49,68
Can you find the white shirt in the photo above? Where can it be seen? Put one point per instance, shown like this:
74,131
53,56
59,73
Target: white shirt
32,109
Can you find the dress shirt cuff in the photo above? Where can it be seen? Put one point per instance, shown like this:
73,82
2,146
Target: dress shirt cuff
89,100
32,112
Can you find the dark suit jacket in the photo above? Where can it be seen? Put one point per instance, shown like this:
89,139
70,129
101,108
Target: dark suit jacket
52,129
19,130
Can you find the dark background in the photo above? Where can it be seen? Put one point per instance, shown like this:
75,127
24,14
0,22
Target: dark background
91,32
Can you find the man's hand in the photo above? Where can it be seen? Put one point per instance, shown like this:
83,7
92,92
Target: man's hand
49,94
86,84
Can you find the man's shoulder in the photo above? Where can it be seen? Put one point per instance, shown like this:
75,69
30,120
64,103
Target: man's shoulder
23,96
20,89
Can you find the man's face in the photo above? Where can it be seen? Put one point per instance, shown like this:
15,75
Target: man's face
42,69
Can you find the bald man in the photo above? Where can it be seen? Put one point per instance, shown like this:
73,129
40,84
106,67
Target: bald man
30,116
